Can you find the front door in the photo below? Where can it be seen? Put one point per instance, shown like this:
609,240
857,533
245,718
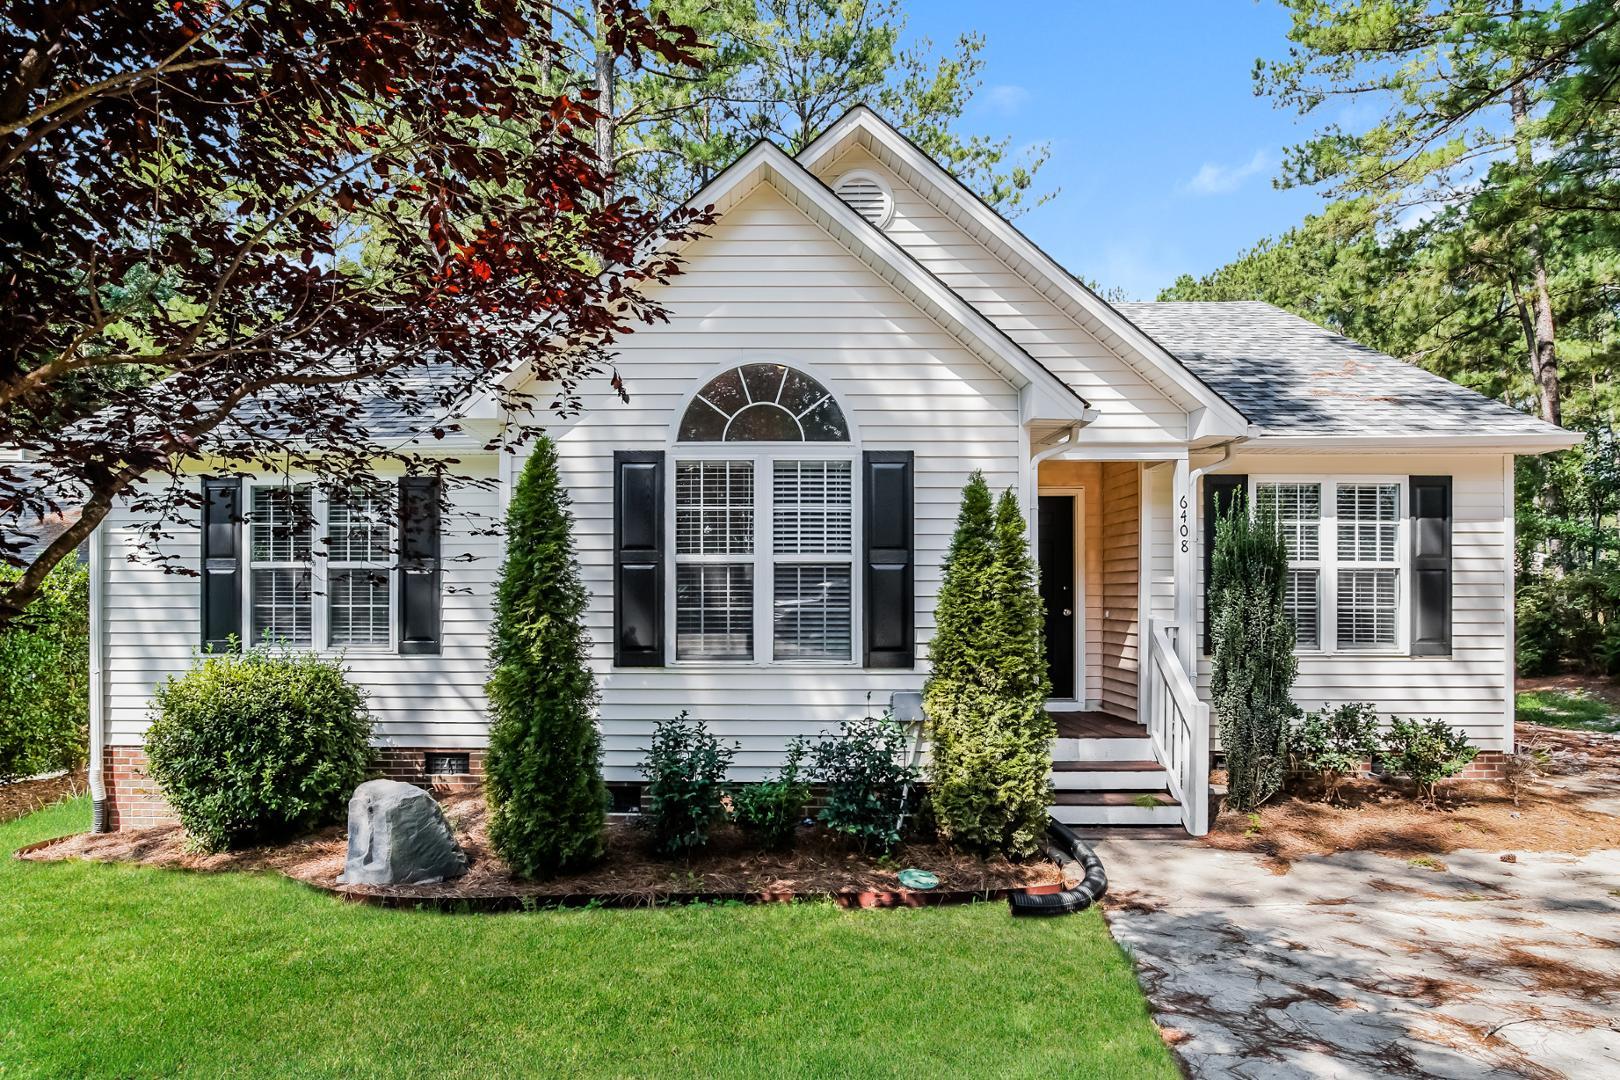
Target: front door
1056,526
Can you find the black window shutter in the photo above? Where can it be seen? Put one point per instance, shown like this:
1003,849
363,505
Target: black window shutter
1431,565
221,563
638,558
419,565
889,559
1221,490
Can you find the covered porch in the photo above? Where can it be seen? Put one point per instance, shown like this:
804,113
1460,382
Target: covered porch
1119,579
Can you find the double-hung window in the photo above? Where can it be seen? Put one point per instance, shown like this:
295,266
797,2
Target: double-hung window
1297,509
342,600
765,525
1344,560
1369,555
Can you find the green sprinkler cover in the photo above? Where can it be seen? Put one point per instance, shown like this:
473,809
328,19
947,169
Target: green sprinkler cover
913,878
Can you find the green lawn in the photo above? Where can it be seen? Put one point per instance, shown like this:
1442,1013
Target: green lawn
1568,709
115,970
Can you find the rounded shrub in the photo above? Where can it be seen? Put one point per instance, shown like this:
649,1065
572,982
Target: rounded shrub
258,746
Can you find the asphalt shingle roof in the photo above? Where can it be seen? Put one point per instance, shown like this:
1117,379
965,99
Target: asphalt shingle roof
1291,377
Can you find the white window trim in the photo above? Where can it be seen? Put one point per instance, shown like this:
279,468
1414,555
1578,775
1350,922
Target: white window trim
764,557
1328,564
319,575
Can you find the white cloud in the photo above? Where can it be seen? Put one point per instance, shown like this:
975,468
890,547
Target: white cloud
1214,179
1005,98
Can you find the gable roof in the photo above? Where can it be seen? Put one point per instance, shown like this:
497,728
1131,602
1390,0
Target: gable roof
1003,240
1293,378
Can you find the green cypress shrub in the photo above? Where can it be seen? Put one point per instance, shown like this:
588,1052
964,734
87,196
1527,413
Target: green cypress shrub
1253,662
985,698
543,775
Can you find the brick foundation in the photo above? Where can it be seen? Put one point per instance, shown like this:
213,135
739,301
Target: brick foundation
133,799
134,802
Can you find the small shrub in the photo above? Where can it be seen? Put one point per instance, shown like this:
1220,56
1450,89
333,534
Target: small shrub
1527,762
867,778
45,677
686,776
258,746
771,810
1333,743
1426,751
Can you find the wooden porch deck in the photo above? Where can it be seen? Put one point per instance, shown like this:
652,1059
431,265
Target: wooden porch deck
1096,725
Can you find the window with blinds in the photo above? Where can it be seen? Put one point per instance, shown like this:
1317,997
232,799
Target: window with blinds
1369,565
812,537
1297,510
281,530
714,593
764,559
358,579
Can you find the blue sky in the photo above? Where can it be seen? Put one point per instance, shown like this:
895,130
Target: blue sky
1163,154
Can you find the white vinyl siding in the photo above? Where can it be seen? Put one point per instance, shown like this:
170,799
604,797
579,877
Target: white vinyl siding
1469,688
153,629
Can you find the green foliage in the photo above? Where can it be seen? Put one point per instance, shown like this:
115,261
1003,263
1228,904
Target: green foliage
865,771
45,677
1426,751
1335,743
1569,620
786,70
985,697
686,775
543,775
258,746
772,809
1253,663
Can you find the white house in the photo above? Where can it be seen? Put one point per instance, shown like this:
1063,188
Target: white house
762,525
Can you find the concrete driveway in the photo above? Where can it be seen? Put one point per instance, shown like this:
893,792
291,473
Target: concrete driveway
1360,965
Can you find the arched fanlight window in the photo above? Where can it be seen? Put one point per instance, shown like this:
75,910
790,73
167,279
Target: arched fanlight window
763,403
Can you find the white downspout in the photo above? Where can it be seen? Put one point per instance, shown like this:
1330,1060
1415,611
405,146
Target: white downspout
98,694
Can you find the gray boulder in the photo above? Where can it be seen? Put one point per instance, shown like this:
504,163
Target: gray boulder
398,836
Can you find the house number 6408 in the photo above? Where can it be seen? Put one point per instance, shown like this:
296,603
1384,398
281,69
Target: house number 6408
1185,532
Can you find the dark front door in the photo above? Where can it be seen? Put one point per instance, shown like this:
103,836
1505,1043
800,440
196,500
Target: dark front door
1057,590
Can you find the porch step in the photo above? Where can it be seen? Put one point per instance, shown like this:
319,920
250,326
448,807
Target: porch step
1134,775
1118,748
1094,808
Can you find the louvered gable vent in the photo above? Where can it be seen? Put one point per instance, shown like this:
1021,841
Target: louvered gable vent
867,196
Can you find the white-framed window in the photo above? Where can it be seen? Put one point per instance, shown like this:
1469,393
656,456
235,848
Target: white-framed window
342,600
1298,512
1346,559
765,517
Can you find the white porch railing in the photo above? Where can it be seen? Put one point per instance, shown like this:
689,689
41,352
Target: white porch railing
1178,724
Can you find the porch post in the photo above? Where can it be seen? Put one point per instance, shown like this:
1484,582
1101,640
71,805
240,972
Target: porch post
1184,528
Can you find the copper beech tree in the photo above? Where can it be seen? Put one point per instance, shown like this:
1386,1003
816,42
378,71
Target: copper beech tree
225,228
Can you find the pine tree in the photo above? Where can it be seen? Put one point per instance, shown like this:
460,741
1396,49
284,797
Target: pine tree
543,775
985,698
1253,662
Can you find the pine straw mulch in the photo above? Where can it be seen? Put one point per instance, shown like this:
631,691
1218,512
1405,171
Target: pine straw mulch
1383,817
22,797
820,866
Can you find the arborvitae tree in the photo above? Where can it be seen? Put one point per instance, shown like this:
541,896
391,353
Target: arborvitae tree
543,778
985,698
1253,654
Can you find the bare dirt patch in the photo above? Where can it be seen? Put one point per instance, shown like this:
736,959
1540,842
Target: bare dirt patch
820,865
25,796
1383,817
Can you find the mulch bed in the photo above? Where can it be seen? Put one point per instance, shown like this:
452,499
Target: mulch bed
821,866
1383,817
25,796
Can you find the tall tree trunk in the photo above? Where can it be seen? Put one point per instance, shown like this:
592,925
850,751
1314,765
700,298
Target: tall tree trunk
604,105
1544,352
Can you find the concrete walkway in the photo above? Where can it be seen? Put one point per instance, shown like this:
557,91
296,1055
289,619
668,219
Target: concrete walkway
1359,965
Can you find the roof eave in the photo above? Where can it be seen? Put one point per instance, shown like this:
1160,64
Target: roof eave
1519,443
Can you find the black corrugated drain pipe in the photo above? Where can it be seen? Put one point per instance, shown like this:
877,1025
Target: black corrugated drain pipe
1066,848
